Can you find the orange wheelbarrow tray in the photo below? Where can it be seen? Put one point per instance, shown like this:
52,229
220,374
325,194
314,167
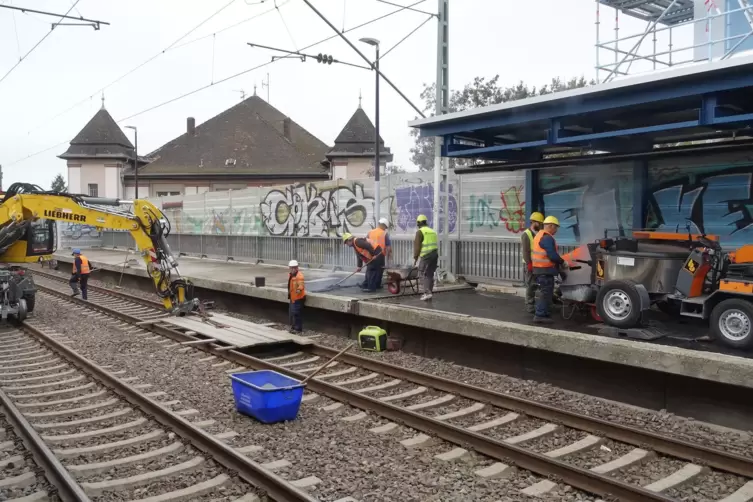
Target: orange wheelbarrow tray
401,278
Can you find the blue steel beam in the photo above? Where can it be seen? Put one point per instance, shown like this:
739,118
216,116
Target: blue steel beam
587,104
709,115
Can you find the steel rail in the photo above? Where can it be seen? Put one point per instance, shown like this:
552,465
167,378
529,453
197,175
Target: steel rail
724,461
548,467
718,459
67,488
277,488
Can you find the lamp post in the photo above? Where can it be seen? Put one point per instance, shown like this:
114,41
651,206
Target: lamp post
374,42
135,159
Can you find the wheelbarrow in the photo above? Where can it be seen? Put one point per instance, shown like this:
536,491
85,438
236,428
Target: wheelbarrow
400,279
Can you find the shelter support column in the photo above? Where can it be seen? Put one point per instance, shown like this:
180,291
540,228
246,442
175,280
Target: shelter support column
531,193
640,193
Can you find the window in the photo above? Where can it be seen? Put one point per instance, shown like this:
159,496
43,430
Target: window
167,194
93,190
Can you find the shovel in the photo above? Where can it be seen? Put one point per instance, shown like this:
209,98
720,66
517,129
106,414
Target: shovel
326,364
337,284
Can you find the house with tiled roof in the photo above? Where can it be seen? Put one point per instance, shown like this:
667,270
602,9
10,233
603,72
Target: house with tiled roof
352,156
97,157
249,144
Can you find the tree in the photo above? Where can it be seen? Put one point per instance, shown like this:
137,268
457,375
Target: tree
389,169
58,184
480,92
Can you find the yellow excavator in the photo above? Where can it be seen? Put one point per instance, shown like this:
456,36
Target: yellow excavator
27,235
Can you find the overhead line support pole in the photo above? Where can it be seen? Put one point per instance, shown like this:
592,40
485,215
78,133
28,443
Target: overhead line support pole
441,165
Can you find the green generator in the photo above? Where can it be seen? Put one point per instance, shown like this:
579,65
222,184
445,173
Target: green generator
372,338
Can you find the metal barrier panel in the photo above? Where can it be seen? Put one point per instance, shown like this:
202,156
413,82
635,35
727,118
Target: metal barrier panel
490,259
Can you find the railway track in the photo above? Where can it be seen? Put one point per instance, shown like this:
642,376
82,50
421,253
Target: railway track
75,431
497,431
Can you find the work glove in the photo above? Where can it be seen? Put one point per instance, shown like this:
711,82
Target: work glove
358,269
529,266
565,266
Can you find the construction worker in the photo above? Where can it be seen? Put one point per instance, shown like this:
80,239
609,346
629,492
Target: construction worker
426,247
526,243
382,238
297,297
80,275
547,264
370,253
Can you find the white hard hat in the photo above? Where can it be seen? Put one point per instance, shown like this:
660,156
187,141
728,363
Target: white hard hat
384,221
293,263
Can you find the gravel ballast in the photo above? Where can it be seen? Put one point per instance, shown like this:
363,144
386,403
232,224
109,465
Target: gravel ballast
351,460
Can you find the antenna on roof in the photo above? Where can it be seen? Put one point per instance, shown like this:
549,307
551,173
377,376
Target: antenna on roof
243,93
254,88
103,100
359,98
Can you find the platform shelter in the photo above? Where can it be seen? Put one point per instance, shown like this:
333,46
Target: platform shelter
669,149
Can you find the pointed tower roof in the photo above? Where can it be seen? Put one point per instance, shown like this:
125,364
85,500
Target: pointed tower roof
100,138
357,139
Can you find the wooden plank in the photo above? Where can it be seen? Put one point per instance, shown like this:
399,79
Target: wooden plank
199,342
260,329
234,336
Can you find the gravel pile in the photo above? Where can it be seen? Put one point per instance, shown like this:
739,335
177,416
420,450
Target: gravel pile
349,459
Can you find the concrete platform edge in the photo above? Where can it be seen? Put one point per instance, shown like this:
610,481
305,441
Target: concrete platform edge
721,368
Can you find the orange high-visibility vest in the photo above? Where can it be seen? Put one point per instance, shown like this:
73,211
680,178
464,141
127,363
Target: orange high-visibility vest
364,254
378,235
538,254
84,265
296,288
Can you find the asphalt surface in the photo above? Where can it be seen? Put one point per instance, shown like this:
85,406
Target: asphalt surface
685,333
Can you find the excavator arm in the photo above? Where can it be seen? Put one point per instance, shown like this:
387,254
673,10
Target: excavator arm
21,209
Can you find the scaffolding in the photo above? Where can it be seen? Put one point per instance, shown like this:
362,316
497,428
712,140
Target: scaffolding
667,21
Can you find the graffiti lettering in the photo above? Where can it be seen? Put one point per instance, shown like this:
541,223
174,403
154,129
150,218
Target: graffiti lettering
306,211
513,212
676,208
76,231
564,206
414,200
481,213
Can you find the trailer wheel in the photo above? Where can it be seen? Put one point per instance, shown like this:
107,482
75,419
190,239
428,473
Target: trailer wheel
22,310
732,323
619,304
393,287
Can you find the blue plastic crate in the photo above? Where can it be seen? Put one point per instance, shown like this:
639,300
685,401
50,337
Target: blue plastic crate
267,396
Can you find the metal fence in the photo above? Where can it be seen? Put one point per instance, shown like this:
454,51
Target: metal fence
495,260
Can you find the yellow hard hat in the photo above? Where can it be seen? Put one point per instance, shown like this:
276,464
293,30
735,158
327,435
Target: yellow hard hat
347,236
551,220
422,217
537,217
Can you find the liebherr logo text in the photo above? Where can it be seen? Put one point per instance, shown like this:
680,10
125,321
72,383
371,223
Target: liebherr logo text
65,216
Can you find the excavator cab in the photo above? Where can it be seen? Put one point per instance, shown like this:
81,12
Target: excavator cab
29,243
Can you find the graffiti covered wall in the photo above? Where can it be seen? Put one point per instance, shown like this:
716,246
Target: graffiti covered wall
493,205
706,195
326,209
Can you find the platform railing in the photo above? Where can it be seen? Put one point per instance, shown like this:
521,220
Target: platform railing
476,260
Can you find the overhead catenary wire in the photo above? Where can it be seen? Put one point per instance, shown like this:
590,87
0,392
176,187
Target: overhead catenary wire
172,46
202,88
405,37
22,58
282,18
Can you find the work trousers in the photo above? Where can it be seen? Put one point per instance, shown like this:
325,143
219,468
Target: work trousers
374,273
531,286
544,295
79,280
295,313
427,267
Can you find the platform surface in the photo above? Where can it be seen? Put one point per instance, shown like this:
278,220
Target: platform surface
236,332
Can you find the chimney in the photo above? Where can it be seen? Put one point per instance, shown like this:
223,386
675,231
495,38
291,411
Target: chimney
286,129
191,126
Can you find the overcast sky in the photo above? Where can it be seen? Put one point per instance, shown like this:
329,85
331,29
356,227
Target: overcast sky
529,41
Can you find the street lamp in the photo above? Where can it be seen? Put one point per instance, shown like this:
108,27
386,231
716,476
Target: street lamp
135,159
374,42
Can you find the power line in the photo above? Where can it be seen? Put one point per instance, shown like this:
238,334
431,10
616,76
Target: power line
286,26
38,43
405,37
202,88
134,69
375,66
